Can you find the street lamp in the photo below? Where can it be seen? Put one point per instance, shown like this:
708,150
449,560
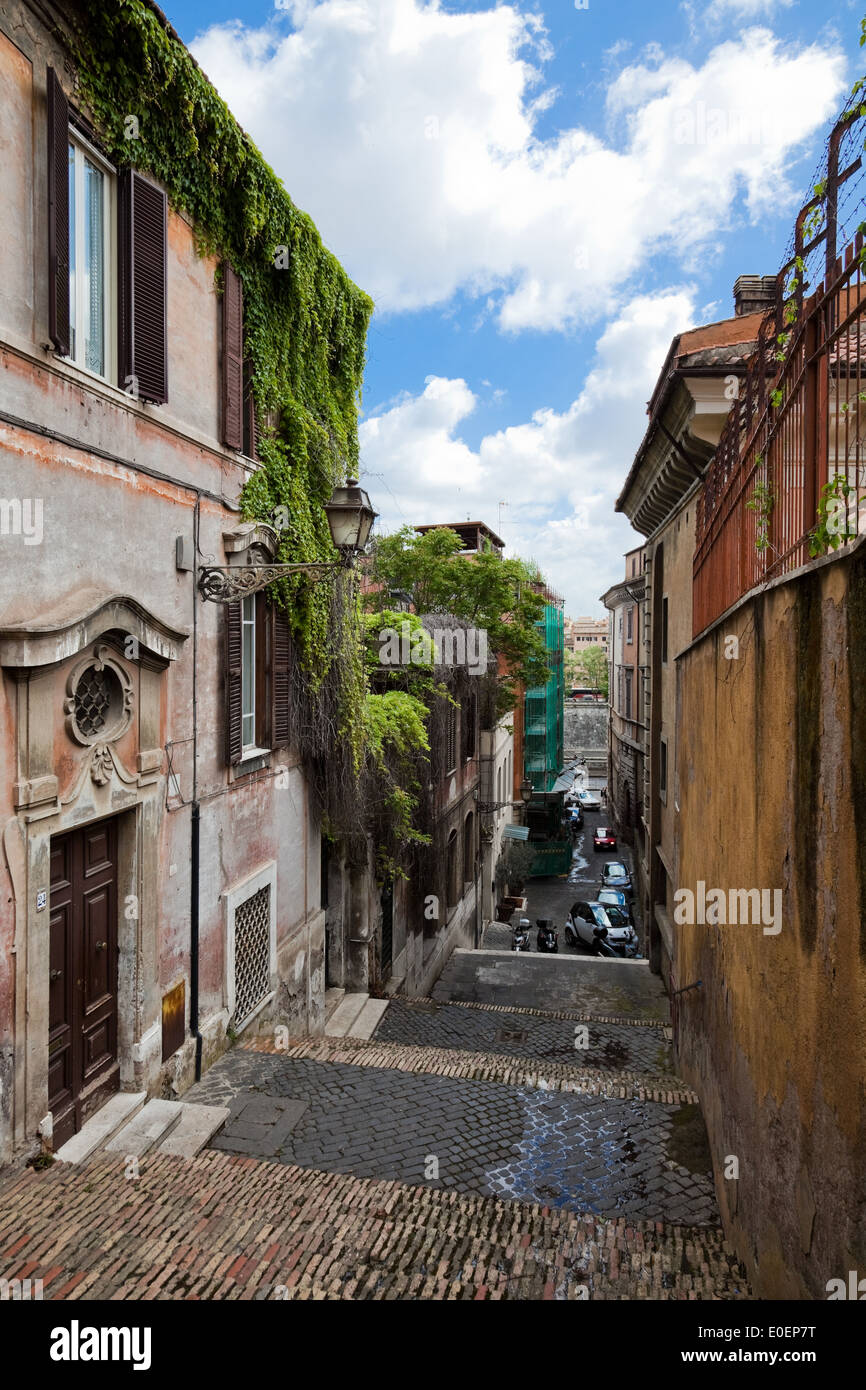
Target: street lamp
526,790
350,520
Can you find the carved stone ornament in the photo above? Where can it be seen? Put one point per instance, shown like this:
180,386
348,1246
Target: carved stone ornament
99,700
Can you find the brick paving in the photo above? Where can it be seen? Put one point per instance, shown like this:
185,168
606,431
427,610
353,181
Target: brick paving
219,1226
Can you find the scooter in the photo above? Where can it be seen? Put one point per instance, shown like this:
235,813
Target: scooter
520,935
601,946
547,939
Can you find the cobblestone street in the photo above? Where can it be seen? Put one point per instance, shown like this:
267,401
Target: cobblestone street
467,1150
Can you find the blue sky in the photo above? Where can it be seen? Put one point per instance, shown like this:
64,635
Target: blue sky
538,197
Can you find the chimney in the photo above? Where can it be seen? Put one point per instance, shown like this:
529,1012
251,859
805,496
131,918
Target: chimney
754,294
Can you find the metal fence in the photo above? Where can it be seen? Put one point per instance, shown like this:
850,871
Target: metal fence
790,467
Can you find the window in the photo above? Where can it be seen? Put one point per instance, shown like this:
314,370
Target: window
451,740
628,709
91,222
251,954
469,849
468,717
107,256
257,677
248,682
629,625
664,629
663,768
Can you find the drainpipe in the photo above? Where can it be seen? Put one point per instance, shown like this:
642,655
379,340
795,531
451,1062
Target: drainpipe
195,823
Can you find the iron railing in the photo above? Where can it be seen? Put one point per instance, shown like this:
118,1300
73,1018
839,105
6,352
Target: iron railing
798,421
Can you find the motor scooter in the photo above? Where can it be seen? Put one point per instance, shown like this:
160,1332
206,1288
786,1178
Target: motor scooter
520,935
547,939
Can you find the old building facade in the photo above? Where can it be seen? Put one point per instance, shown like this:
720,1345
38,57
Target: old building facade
160,863
687,411
627,729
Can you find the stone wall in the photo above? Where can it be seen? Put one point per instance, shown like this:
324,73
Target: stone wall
586,726
771,794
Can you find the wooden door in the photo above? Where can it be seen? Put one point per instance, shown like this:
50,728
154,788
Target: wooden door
83,1067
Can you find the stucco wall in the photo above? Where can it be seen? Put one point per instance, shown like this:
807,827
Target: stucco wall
772,794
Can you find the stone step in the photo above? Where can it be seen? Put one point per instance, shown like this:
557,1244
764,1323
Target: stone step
345,1015
197,1126
95,1134
333,998
530,1073
369,1018
145,1130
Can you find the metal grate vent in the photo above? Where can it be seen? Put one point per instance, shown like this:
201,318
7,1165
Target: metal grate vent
93,697
252,953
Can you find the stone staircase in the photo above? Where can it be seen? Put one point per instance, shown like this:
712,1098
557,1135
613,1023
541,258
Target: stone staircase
352,1015
131,1125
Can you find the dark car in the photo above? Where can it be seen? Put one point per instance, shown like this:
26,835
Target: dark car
603,838
616,875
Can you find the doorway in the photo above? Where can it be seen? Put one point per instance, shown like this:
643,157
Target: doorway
83,1066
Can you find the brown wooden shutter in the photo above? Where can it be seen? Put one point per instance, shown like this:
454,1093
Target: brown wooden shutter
233,359
233,682
251,423
280,680
58,215
142,223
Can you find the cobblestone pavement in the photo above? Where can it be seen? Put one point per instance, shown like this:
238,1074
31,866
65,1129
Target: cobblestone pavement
618,1047
222,1227
597,1154
575,984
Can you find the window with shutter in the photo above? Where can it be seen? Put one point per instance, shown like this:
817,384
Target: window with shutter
142,219
58,215
251,424
233,359
234,682
280,679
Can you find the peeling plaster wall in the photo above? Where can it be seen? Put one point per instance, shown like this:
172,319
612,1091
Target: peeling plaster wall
110,528
772,794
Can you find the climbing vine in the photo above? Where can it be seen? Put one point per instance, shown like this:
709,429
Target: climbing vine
305,322
305,329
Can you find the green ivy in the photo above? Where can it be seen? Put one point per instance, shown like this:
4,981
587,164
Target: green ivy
305,325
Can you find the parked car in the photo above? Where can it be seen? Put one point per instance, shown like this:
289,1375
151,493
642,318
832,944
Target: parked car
590,801
616,875
591,923
548,937
576,815
603,838
615,897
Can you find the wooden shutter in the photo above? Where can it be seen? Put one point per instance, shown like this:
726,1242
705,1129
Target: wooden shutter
142,224
233,359
233,682
251,423
280,679
58,215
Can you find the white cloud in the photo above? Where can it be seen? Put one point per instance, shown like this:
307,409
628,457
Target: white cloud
409,133
561,472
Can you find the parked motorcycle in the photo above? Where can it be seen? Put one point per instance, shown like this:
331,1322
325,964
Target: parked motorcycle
601,946
520,935
547,939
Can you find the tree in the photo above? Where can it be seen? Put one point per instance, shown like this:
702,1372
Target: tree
592,662
498,596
